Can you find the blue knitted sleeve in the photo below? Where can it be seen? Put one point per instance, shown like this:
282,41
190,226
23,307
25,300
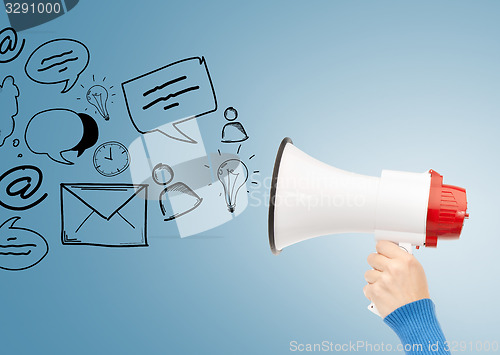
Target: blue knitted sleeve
417,327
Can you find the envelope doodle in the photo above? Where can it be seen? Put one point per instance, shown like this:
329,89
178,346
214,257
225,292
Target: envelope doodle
107,215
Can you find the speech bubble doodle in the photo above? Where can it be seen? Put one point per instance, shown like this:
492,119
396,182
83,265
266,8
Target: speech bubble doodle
20,248
80,133
9,92
9,49
58,61
166,97
19,187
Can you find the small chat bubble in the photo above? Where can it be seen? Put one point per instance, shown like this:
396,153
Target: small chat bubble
159,101
58,61
20,248
80,133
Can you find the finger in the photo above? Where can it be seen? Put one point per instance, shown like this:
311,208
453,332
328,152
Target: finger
378,261
365,290
372,276
389,249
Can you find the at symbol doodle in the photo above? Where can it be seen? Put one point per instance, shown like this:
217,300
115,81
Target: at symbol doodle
19,185
9,49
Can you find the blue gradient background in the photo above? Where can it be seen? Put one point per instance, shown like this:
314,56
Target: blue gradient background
362,85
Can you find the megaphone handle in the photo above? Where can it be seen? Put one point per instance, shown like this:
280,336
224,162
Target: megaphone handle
406,247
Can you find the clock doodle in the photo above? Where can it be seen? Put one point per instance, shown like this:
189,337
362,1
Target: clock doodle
111,159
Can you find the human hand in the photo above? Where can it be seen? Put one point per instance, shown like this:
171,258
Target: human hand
397,278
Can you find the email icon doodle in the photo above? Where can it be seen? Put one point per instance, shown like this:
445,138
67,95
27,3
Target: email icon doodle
107,215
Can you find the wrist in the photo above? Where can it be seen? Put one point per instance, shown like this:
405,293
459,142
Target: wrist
416,324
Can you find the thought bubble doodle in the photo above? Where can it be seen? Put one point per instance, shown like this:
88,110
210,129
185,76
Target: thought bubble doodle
80,133
160,100
20,248
58,61
9,49
9,92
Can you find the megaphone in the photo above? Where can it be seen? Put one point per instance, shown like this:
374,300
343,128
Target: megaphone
310,199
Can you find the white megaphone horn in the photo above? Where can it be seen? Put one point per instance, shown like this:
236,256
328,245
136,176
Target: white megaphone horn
310,199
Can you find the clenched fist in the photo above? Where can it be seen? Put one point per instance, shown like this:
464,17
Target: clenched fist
397,278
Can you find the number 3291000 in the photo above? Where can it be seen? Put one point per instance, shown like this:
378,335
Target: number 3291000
40,8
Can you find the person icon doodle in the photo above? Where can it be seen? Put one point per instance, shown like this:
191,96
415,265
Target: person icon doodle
185,198
233,132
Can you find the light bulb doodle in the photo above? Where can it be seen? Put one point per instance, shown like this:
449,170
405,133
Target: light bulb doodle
97,96
233,174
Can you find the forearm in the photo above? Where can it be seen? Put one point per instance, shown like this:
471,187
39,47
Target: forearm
418,328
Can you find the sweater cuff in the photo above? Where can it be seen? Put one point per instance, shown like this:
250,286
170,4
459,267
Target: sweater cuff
418,329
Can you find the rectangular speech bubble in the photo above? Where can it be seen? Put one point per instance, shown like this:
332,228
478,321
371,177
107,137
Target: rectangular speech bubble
159,100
